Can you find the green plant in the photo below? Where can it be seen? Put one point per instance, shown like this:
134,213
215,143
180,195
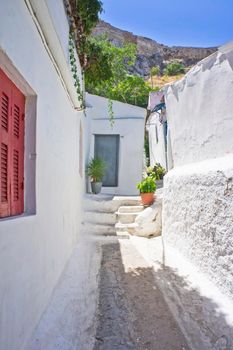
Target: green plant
110,112
74,71
157,172
96,169
174,68
154,70
147,185
108,73
83,17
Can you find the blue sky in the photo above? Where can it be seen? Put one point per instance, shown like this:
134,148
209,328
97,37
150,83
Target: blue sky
174,22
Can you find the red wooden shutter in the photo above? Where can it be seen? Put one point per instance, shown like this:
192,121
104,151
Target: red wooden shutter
12,148
5,101
17,152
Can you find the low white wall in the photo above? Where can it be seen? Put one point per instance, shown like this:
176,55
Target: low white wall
35,248
198,193
129,125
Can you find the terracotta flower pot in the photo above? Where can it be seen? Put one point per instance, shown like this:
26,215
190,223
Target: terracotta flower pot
147,198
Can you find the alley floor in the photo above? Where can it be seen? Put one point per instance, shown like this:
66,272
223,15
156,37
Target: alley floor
107,299
132,313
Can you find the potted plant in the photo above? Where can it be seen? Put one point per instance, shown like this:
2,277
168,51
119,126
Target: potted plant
96,169
157,172
147,189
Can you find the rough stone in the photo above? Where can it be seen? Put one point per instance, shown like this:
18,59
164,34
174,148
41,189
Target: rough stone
149,222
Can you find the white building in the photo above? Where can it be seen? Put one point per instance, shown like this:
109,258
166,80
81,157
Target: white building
120,144
45,144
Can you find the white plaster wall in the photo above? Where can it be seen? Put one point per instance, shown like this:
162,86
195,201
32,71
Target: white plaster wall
200,110
198,192
61,25
35,248
129,124
157,149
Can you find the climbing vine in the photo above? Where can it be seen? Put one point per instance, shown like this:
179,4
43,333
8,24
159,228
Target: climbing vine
110,112
74,71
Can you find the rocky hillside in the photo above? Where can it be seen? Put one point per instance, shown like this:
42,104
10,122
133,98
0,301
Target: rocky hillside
151,53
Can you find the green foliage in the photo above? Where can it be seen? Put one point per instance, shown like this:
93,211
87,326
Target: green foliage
154,70
147,185
147,148
96,169
108,73
88,11
157,172
105,66
74,71
107,62
132,89
110,112
83,15
174,68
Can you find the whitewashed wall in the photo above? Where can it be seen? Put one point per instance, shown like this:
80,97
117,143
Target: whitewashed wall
129,124
35,248
156,141
198,193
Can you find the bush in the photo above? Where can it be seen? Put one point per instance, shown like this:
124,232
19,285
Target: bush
147,185
96,169
157,172
174,68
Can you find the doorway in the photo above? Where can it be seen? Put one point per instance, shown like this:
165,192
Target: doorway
107,148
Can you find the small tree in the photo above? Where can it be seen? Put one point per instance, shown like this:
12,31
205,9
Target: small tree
154,71
174,68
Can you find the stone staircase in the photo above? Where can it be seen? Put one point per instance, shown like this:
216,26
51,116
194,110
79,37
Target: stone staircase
126,216
107,215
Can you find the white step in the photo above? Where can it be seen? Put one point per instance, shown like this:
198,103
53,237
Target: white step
99,205
131,209
99,218
108,203
127,200
123,234
126,227
100,230
126,218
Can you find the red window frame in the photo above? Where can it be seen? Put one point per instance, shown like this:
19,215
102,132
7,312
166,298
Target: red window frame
12,112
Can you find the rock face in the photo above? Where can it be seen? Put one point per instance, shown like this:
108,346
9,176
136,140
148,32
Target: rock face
151,53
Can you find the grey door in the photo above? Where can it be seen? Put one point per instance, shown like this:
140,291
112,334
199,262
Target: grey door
107,148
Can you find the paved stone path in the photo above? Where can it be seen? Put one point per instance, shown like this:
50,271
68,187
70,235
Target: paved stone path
132,313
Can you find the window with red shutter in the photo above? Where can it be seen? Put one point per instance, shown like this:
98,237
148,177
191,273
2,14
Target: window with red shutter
12,107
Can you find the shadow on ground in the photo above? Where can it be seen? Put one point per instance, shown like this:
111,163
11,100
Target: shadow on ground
132,312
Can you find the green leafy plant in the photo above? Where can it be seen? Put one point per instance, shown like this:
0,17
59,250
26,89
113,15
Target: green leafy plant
110,112
154,71
157,172
147,185
108,73
174,68
83,17
74,71
96,169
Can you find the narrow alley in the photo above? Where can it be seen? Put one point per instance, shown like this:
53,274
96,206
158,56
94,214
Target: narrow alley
116,305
